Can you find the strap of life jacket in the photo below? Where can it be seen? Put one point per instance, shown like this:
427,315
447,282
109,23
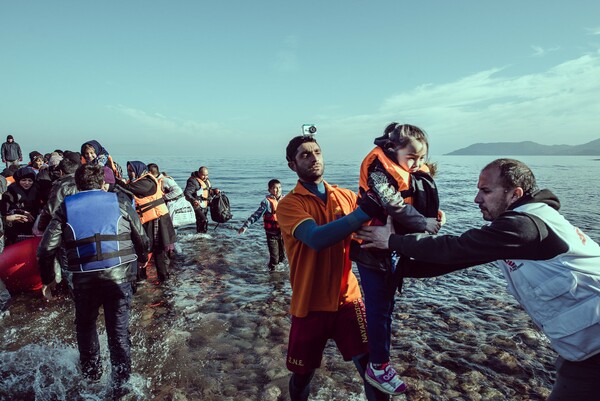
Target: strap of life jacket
99,255
141,209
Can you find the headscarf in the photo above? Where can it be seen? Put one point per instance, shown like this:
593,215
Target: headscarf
138,168
101,153
98,149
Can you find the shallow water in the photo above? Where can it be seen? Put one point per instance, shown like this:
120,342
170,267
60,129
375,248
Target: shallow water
218,330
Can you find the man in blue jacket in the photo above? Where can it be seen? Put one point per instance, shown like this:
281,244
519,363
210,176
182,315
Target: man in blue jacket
102,254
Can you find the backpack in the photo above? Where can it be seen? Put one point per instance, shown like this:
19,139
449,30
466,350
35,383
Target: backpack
220,212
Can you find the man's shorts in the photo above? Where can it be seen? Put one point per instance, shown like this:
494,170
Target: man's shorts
309,335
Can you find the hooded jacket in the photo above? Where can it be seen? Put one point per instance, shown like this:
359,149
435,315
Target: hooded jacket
11,151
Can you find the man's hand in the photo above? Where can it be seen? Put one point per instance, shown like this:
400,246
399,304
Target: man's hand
195,204
241,230
433,225
376,236
47,290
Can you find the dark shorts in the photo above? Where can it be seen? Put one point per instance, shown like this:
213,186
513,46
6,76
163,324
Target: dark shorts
309,335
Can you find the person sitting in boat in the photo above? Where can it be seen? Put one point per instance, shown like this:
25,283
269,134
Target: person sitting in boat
21,198
61,188
37,161
9,172
94,153
5,296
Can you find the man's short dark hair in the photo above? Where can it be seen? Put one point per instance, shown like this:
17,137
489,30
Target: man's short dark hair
292,148
273,182
89,176
515,173
153,168
75,156
67,166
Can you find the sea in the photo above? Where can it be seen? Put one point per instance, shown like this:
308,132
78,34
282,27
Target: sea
218,329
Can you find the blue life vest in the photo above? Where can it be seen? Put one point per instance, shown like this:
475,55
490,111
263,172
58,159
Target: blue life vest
93,219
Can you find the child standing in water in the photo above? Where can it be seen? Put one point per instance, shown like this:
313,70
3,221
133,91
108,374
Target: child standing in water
394,174
267,210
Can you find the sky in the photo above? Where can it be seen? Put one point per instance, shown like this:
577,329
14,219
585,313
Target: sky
239,78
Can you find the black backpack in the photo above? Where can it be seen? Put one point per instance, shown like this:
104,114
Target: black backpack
220,211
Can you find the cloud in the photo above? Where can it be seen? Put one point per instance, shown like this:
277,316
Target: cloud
539,51
555,106
168,125
593,31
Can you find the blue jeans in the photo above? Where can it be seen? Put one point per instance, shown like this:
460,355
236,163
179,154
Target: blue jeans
116,301
379,305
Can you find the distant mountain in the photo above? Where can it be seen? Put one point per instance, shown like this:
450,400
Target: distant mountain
530,148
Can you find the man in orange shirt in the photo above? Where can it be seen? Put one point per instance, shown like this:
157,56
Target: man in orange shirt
316,221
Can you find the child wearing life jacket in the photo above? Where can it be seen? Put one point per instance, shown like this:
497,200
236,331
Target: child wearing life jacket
267,210
94,153
394,174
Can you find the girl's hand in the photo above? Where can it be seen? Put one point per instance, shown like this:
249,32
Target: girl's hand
433,225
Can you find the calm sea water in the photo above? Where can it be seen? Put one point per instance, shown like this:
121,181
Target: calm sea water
218,330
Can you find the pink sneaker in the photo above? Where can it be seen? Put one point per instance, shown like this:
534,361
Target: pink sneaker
386,379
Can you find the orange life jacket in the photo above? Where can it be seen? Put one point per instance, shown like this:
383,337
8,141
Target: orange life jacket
401,176
205,188
10,180
151,207
270,218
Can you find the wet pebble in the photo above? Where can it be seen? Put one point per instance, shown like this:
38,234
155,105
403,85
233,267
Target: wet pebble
271,393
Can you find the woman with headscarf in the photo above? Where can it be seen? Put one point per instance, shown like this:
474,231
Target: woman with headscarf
21,198
94,153
153,212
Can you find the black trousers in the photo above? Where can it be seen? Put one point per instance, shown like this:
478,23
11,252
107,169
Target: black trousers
116,301
276,251
201,219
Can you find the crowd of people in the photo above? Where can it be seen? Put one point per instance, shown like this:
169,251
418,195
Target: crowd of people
100,258
389,229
